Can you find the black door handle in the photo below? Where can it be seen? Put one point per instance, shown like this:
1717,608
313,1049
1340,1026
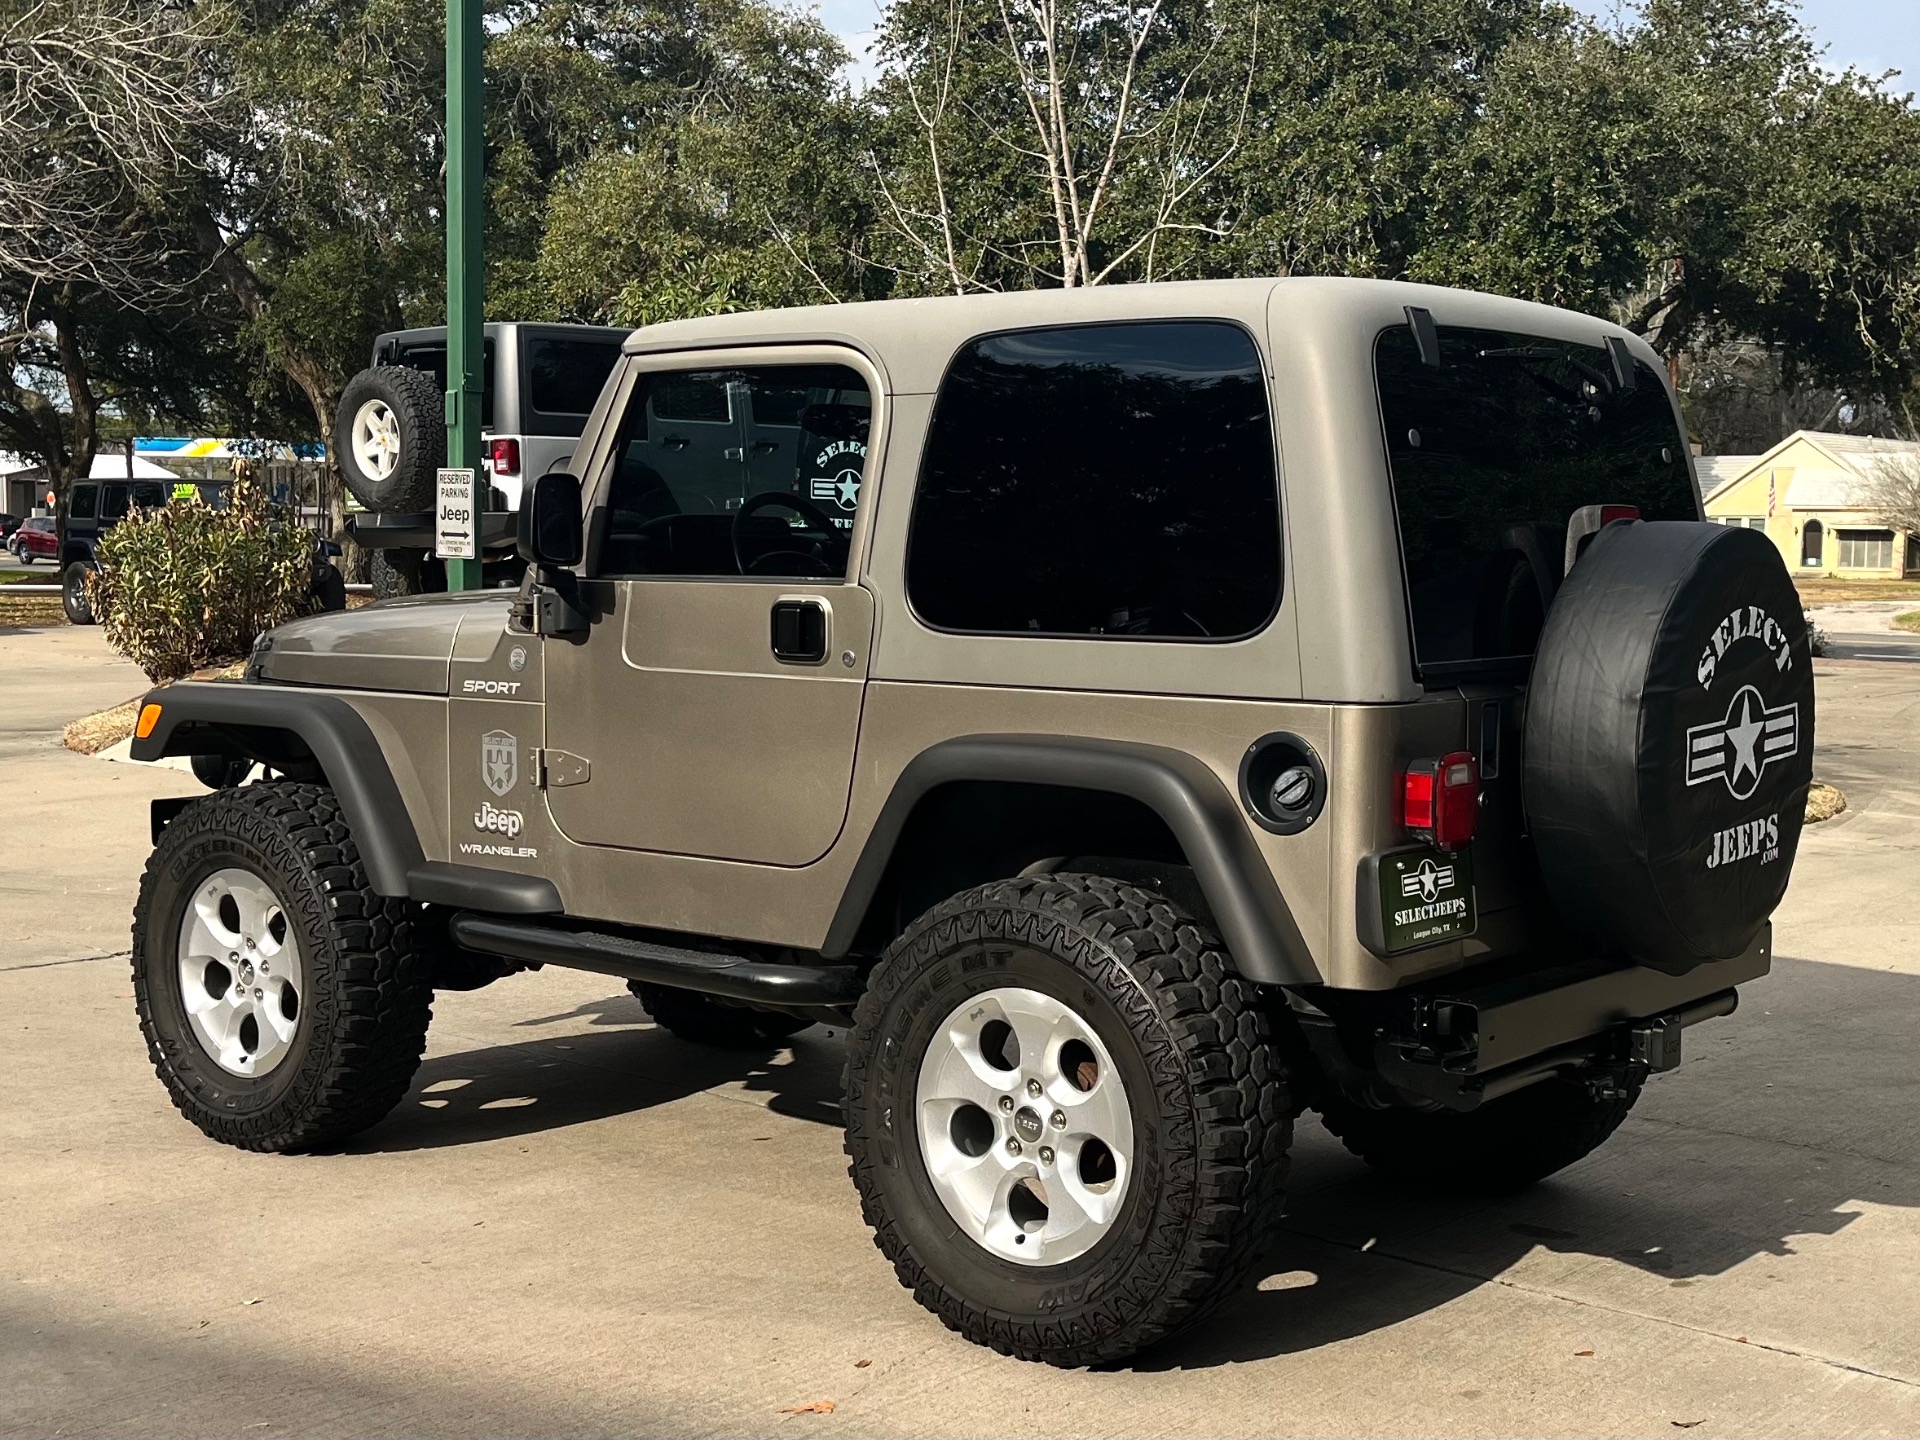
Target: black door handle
800,631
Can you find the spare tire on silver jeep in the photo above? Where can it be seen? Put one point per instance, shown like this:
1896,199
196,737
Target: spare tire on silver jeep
390,436
1669,741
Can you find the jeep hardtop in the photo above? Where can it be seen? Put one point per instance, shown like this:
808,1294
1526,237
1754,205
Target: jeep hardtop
1143,714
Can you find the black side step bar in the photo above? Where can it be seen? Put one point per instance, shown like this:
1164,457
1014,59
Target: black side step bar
733,976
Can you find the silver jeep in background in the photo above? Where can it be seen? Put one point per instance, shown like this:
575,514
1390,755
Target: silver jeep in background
540,381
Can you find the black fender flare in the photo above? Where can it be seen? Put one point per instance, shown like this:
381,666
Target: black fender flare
198,717
1259,930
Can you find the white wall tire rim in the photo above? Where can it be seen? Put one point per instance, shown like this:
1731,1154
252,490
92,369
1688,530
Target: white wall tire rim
1024,1126
241,980
376,439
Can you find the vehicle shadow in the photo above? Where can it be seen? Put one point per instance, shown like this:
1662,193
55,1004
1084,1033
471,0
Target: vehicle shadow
1791,1119
1788,1120
625,1063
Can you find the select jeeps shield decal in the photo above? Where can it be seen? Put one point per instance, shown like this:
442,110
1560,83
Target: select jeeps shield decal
1739,748
499,761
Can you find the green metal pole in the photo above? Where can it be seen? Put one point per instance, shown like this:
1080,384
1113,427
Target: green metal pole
466,273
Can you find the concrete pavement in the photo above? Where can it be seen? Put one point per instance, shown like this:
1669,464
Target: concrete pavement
575,1224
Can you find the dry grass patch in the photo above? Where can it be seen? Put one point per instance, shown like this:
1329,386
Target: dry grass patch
1822,590
91,734
1823,803
1909,621
30,612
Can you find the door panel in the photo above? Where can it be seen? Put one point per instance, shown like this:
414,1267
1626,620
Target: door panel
699,741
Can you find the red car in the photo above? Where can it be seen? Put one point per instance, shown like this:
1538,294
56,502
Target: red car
36,538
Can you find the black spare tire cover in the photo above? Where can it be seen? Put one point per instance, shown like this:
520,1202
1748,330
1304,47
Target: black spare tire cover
1669,741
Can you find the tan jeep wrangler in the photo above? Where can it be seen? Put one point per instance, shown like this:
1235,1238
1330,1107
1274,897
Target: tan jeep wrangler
1143,714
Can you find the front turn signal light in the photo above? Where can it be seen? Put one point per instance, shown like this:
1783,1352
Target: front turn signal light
149,717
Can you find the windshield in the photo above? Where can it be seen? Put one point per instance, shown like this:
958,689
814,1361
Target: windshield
1490,454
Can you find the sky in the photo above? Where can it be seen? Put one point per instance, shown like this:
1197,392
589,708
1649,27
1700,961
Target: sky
1872,35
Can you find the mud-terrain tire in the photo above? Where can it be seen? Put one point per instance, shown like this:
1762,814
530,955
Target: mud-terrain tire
391,438
703,1020
1202,1104
1505,1145
362,994
396,572
76,597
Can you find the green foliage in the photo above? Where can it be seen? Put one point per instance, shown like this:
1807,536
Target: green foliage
187,586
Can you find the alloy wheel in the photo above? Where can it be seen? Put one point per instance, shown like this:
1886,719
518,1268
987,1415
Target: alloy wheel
1025,1126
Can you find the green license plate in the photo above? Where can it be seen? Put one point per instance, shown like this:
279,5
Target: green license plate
1426,896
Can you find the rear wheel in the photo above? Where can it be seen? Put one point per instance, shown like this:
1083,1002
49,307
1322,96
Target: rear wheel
284,1004
76,598
395,572
706,1021
1505,1145
1066,1121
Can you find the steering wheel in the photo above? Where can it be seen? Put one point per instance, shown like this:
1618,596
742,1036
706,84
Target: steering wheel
824,537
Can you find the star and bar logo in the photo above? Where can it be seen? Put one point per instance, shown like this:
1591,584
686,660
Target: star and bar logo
1739,748
1427,881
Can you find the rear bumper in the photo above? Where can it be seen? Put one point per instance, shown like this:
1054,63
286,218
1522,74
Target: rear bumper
1461,1040
376,530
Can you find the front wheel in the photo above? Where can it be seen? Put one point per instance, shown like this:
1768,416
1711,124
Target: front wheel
1066,1120
284,1004
76,596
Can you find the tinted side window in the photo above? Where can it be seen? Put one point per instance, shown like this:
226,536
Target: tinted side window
118,499
1491,453
564,376
738,472
84,502
1100,480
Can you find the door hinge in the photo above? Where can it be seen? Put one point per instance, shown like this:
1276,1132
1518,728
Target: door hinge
557,767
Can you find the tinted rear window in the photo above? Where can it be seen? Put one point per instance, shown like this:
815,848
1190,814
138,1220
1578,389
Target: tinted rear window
1491,454
564,376
432,358
1100,480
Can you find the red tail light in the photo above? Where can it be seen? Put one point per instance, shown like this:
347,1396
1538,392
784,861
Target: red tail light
505,455
1440,799
1611,513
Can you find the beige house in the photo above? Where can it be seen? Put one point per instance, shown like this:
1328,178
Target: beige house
1807,494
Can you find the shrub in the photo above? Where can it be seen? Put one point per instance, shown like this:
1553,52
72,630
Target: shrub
186,586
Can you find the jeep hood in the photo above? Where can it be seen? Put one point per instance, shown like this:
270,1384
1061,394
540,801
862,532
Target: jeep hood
403,644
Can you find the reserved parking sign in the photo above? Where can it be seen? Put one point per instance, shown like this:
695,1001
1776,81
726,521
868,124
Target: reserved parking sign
456,521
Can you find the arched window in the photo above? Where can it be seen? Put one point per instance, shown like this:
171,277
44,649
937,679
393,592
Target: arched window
1812,541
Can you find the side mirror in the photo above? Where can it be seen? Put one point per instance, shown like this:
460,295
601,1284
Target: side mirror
550,534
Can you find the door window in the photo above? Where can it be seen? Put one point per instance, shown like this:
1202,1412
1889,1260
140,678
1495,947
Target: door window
754,471
1100,480
84,502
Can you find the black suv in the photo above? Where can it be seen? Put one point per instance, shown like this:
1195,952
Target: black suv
92,508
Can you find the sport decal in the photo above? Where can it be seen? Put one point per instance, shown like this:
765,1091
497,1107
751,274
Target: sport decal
1739,748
